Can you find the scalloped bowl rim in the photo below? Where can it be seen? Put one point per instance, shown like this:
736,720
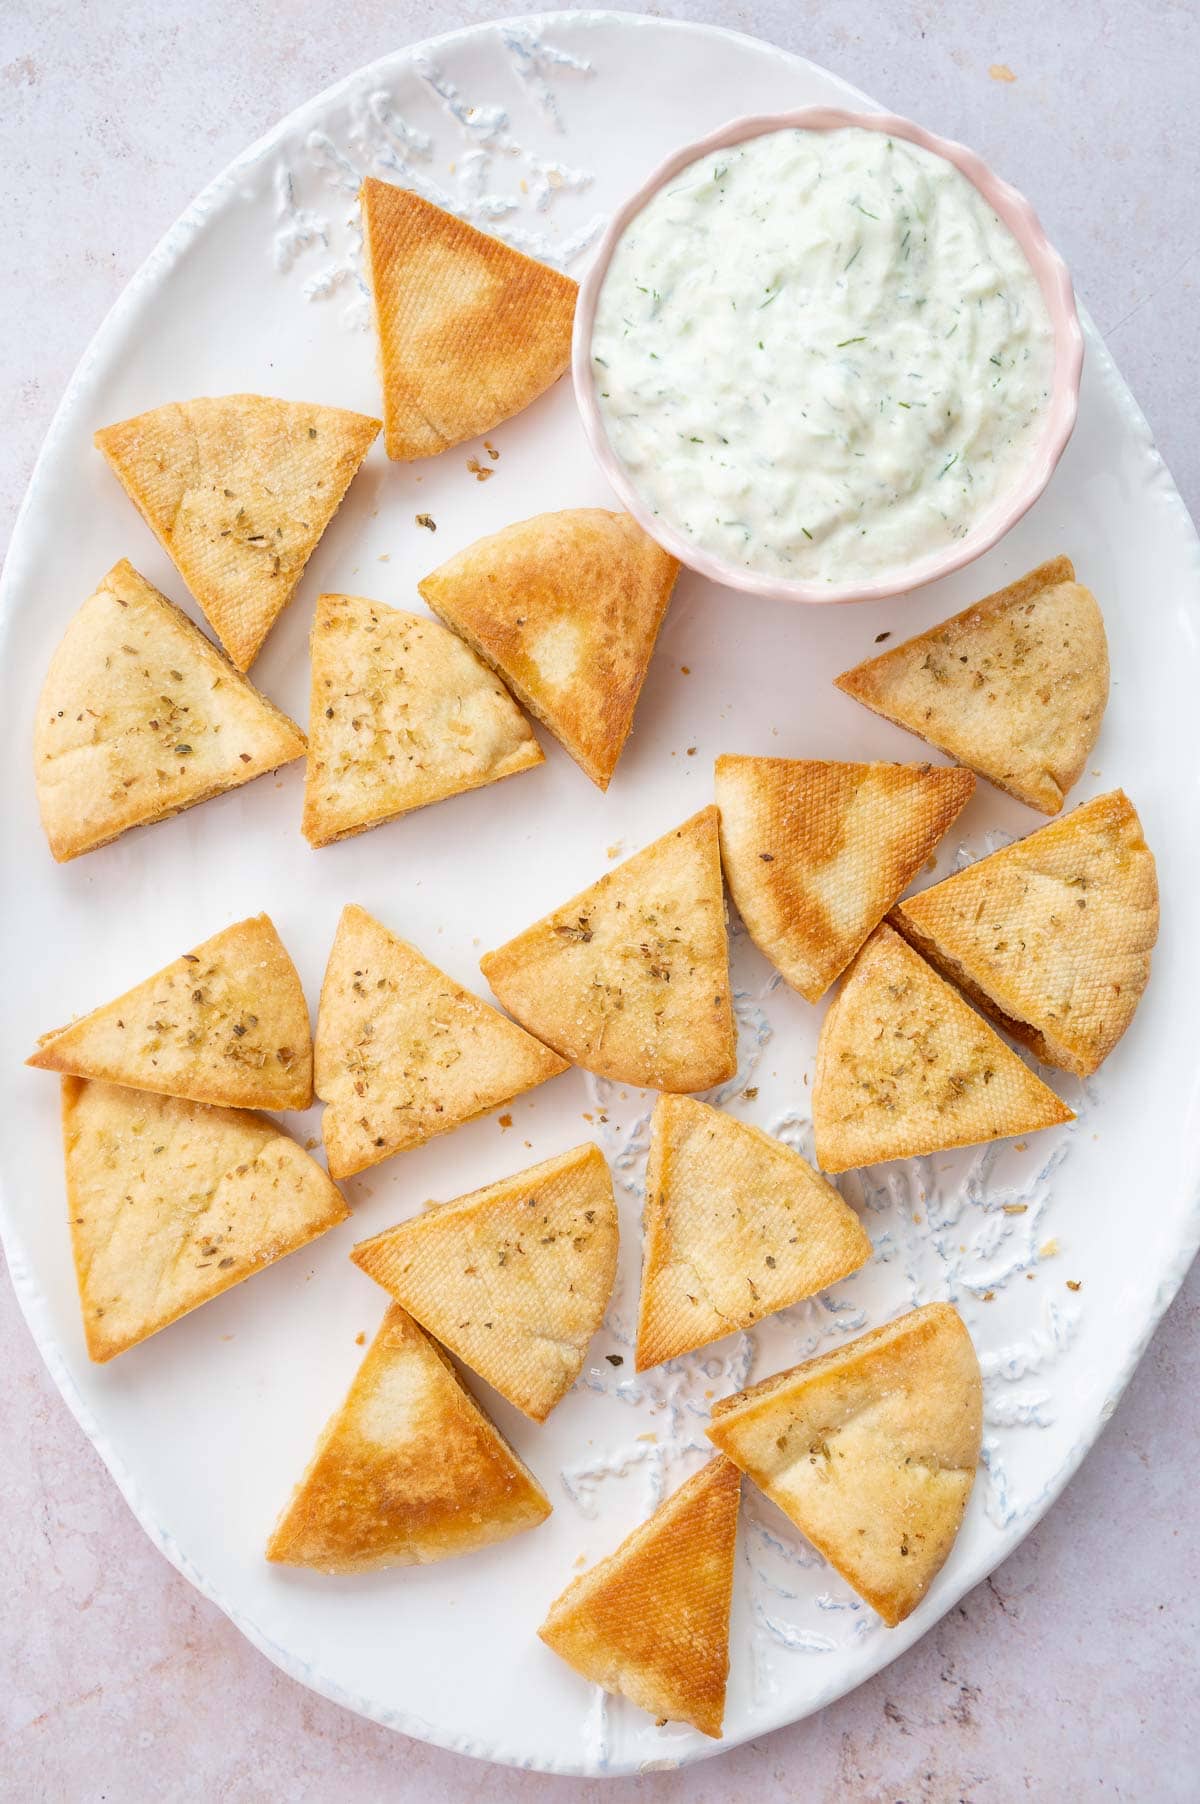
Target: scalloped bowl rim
1053,279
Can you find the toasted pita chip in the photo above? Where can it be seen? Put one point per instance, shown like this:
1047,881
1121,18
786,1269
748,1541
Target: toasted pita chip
239,490
905,1067
1051,936
871,1450
630,979
140,716
402,1052
407,1471
1015,686
171,1202
227,1023
403,714
651,1621
737,1226
470,331
567,608
514,1278
816,853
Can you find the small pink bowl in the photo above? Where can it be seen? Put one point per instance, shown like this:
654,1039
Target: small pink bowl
1052,277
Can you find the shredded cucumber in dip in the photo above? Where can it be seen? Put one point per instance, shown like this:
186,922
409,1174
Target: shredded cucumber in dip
821,355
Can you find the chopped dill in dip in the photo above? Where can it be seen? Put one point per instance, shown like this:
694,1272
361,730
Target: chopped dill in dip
821,355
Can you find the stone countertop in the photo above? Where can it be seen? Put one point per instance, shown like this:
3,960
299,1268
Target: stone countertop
1073,1667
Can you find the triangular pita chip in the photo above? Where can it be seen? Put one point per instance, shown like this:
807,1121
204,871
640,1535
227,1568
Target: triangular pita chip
470,331
227,1023
515,1278
171,1202
905,1067
737,1225
239,489
630,979
407,1471
1051,937
403,1052
1014,686
871,1450
652,1620
567,608
815,853
140,716
403,713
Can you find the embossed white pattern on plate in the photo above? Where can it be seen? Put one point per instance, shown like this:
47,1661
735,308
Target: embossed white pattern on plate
535,129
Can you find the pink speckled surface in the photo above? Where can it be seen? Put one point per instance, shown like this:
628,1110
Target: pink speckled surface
1072,1670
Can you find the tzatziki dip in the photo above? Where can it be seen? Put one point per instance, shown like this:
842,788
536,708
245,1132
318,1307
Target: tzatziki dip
820,355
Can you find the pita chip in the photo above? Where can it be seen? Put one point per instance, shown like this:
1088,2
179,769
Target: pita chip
470,331
567,608
402,1052
1015,686
407,1471
227,1023
171,1202
871,1450
815,853
630,979
513,1279
1050,937
905,1067
403,714
239,489
140,716
651,1622
737,1226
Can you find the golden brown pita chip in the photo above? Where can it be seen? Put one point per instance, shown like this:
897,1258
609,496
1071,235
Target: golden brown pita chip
737,1226
239,489
567,608
140,716
409,1470
403,714
871,1450
630,979
227,1023
905,1067
514,1278
815,853
470,331
403,1053
651,1621
1051,937
171,1202
1014,686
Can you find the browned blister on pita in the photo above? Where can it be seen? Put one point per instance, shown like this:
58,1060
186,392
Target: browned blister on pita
514,1278
470,331
407,1471
402,1052
1051,936
815,853
1014,686
904,1066
651,1622
567,608
239,489
172,1202
403,714
227,1023
630,979
140,716
871,1450
737,1225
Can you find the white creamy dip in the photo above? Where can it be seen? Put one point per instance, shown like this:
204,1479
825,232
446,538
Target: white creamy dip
821,355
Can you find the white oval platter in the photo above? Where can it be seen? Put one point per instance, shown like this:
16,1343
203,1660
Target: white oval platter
535,129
